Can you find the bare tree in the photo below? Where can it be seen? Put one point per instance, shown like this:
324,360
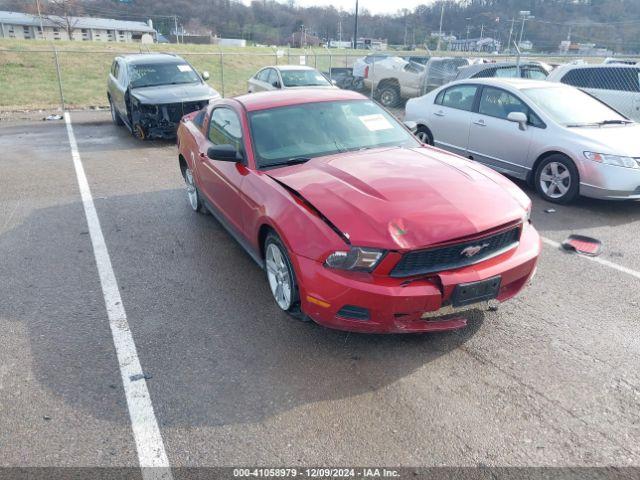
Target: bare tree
62,13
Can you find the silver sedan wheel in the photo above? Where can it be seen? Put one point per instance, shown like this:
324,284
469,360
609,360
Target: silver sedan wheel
555,180
279,277
422,136
192,193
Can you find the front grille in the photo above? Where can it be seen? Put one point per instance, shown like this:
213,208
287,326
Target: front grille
175,111
451,256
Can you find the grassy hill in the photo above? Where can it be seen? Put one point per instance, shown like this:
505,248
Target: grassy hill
28,77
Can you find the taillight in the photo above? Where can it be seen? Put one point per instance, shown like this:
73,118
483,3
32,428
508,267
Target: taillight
366,71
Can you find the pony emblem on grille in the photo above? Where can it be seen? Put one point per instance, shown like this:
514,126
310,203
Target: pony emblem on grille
473,250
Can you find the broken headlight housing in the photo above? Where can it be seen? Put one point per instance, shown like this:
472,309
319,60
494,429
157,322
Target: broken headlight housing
356,258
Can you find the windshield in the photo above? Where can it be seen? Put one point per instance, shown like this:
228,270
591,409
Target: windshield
300,132
303,78
149,75
571,107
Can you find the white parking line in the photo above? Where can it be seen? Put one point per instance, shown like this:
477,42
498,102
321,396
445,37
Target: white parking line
606,263
151,453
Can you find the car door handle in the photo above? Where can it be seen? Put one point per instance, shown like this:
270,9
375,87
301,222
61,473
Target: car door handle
480,123
439,113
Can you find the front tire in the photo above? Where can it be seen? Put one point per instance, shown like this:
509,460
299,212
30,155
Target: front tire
193,194
557,179
281,277
424,135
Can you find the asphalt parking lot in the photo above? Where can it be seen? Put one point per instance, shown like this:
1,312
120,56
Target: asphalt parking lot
551,379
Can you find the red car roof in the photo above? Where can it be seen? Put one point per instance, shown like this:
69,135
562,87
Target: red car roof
283,98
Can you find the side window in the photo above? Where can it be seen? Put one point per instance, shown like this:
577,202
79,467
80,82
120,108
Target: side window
460,97
621,79
438,100
120,72
578,77
263,75
273,77
114,68
534,73
486,73
500,103
225,129
507,72
199,118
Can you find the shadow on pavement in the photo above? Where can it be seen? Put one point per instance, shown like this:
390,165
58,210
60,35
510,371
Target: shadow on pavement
217,347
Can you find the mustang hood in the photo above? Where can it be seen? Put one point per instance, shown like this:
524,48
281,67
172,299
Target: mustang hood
405,198
160,94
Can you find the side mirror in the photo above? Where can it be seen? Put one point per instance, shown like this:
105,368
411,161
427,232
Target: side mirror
334,83
276,84
411,125
519,118
224,153
205,75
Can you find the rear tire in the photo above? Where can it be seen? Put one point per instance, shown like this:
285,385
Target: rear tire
424,135
389,96
557,179
115,116
281,277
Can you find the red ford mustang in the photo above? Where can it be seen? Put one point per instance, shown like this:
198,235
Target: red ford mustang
358,226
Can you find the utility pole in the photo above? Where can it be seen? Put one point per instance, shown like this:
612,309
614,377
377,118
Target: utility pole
440,31
175,27
40,17
405,28
340,30
513,21
355,30
526,15
481,31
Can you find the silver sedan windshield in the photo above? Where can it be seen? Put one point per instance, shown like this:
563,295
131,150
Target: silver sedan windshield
571,107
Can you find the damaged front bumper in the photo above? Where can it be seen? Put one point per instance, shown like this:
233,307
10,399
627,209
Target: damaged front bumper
162,120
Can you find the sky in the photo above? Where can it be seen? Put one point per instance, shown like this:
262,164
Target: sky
374,6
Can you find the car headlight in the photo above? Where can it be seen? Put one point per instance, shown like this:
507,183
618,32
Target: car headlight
526,217
617,160
357,258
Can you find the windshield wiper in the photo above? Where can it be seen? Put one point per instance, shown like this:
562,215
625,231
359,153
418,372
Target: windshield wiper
573,125
614,122
290,161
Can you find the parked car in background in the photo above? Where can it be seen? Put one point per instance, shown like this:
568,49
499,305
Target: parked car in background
532,70
616,85
396,78
442,70
360,64
555,136
358,225
620,61
287,76
392,79
150,93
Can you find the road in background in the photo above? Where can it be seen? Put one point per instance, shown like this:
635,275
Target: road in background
552,378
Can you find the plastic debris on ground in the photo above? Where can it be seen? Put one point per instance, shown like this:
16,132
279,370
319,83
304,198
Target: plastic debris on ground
583,245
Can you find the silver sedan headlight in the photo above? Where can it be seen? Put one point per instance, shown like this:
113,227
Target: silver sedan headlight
617,160
357,258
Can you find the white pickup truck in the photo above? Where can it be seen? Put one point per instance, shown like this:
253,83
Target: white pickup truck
394,78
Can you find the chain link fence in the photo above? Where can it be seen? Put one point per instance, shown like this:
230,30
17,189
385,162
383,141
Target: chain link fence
52,78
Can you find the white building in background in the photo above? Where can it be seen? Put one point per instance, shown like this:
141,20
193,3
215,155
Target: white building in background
26,26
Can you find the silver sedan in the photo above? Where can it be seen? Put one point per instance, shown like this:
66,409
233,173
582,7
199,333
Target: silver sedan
556,137
287,76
